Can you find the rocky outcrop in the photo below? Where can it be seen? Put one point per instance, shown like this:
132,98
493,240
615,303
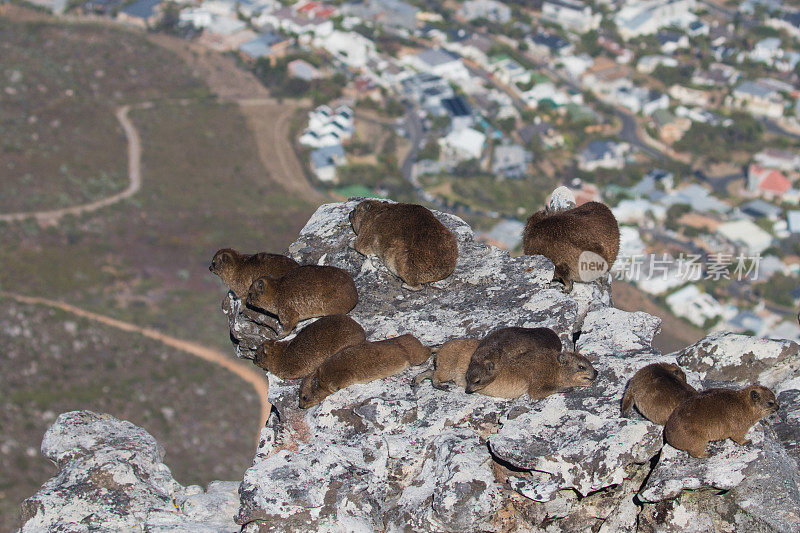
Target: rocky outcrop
389,456
112,477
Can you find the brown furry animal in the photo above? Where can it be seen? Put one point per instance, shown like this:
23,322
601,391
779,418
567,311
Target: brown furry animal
539,373
300,356
504,343
361,363
563,236
656,390
307,291
410,241
717,414
238,271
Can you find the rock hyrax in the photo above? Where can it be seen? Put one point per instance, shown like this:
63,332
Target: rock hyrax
504,343
410,241
360,364
304,292
300,356
539,372
656,390
717,414
563,236
238,270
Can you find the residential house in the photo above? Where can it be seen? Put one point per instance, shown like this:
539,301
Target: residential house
603,154
758,99
327,127
226,33
427,90
270,45
787,20
543,132
660,273
758,208
766,182
549,44
670,41
490,10
459,111
746,235
302,69
508,71
697,197
647,17
351,48
462,145
620,54
793,221
717,75
695,306
648,64
510,161
670,128
325,160
571,15
439,62
639,99
698,28
639,212
394,14
688,96
575,66
143,13
785,160
472,46
363,88
307,20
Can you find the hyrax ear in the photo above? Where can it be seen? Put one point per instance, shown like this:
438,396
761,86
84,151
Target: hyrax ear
225,257
562,359
259,285
490,366
754,395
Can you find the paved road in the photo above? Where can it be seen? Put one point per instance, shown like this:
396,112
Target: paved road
249,374
630,134
415,134
134,180
774,127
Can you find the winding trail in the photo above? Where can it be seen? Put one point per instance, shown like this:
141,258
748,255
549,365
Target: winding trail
248,374
134,179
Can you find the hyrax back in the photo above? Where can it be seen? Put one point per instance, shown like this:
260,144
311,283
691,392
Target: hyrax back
563,236
239,270
717,414
540,373
656,390
408,238
452,361
307,291
300,356
361,363
503,343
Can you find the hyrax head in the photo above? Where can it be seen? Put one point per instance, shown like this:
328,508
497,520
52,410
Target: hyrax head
358,212
223,262
311,393
762,399
481,371
673,369
575,370
262,293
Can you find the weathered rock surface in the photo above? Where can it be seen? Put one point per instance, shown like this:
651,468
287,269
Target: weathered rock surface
112,477
388,456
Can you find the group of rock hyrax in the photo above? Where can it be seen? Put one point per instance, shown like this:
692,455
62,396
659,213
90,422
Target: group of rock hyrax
333,352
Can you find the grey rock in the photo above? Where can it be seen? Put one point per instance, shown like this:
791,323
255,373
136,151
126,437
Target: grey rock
786,422
112,477
580,438
743,359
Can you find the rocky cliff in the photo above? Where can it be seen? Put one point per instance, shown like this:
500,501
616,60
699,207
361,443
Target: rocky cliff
389,456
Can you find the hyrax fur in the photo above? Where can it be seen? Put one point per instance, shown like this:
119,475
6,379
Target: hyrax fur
307,291
300,356
410,241
562,237
656,390
237,271
717,414
504,343
361,363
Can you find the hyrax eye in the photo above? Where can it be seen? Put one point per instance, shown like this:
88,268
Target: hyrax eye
581,367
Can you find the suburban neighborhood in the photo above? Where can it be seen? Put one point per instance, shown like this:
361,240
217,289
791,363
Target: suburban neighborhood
683,115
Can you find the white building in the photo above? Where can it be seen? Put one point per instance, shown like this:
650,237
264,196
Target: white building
571,15
694,305
351,48
462,145
485,9
328,128
648,64
647,17
439,62
747,235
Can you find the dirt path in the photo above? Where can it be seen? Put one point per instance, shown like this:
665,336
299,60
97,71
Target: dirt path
248,374
270,121
134,180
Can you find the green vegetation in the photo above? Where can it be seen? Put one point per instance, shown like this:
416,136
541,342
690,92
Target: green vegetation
281,85
61,144
717,142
